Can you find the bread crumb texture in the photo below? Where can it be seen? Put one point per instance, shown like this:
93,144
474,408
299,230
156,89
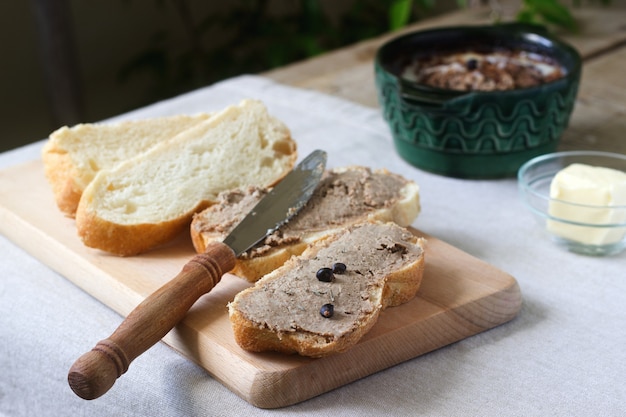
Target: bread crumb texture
164,186
72,156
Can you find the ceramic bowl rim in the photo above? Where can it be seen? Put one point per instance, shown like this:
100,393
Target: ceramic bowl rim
572,74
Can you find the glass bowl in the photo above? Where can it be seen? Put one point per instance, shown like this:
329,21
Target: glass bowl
597,230
474,134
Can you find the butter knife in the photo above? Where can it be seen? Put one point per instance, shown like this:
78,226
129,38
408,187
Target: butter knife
95,372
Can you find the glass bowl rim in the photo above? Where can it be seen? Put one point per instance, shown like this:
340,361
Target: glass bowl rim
526,188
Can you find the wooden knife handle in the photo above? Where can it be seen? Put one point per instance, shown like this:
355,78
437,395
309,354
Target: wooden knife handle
96,371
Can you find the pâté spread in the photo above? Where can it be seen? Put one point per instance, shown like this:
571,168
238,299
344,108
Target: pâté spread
484,71
342,194
292,302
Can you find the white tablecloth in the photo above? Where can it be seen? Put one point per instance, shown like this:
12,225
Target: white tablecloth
564,355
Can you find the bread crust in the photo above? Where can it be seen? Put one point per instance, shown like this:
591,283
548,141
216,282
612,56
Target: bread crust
61,173
254,338
129,240
396,287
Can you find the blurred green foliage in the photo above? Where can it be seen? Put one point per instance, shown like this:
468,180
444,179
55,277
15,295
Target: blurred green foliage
248,36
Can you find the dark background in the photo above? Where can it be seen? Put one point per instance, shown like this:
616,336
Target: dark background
70,61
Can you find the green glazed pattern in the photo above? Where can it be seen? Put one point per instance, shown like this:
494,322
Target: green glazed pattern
475,134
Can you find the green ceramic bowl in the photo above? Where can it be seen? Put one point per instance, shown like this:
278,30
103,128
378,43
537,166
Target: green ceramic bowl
479,134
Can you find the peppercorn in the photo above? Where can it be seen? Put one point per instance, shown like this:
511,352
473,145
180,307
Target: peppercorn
327,311
325,274
471,64
339,268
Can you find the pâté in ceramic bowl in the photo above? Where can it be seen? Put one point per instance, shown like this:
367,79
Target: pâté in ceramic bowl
477,101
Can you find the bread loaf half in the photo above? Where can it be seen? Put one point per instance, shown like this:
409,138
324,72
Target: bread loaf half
72,156
147,200
345,196
288,309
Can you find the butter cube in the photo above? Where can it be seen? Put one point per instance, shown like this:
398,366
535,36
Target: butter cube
588,186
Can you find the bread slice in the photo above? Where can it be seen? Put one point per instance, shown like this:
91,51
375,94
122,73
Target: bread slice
281,312
147,200
72,156
345,196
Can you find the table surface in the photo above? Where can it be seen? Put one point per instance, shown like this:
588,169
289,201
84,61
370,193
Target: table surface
562,355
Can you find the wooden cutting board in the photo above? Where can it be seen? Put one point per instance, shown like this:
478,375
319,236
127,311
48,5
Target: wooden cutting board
460,296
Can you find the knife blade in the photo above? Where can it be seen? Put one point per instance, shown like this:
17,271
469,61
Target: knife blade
279,205
95,372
